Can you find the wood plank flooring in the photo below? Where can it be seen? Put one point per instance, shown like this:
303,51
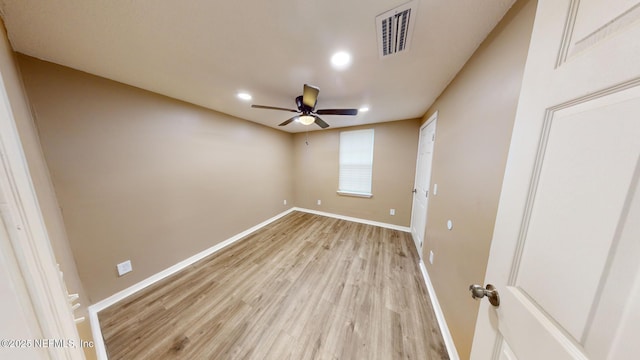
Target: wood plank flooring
304,287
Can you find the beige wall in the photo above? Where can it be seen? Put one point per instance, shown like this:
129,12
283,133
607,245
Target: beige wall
394,160
42,183
144,177
147,178
475,119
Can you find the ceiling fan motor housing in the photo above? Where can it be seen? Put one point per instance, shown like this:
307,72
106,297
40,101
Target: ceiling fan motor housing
304,108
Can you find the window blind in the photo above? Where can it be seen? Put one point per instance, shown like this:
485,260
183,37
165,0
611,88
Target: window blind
356,162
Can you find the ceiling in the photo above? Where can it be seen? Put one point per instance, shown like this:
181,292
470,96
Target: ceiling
204,52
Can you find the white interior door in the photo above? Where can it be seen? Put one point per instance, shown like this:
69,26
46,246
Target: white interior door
17,316
423,181
564,256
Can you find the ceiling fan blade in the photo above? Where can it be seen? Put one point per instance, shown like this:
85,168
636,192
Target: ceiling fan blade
321,122
310,96
337,112
288,121
272,108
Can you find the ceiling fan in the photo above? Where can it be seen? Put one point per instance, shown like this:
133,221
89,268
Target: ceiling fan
307,109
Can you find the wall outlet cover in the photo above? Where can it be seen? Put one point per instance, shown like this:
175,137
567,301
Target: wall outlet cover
124,267
319,202
431,257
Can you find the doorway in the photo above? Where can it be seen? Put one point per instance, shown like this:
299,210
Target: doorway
423,181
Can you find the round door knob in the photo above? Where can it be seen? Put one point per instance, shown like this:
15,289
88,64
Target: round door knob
478,292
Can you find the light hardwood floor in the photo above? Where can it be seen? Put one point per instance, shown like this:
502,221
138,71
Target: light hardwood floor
304,287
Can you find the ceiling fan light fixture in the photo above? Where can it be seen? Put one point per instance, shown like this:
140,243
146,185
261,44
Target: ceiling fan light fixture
306,119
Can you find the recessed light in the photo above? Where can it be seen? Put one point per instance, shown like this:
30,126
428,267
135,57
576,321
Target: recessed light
341,60
244,96
363,109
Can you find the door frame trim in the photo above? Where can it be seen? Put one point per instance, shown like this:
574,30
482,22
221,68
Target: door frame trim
30,240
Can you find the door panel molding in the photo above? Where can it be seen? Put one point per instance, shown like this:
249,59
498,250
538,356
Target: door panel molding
608,29
556,341
539,160
571,47
613,95
567,34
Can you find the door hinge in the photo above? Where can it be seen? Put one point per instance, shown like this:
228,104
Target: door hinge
426,194
433,137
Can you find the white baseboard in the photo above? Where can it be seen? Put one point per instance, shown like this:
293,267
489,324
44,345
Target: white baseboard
98,341
105,303
358,220
444,329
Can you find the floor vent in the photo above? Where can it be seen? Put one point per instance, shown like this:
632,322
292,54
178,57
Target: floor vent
395,29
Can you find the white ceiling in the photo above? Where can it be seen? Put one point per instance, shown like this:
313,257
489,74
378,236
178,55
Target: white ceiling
205,51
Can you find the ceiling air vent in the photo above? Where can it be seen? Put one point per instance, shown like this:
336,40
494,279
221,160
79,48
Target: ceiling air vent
395,28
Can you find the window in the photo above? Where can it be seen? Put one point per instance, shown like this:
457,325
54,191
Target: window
356,162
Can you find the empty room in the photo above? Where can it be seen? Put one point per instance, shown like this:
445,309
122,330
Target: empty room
421,179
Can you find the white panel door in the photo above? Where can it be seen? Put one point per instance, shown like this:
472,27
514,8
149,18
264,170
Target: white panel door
17,316
423,181
564,256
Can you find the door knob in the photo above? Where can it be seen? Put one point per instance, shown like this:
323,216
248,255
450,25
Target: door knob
478,292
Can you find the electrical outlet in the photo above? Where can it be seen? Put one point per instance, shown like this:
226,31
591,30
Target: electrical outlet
431,257
284,202
124,267
319,202
435,189
392,212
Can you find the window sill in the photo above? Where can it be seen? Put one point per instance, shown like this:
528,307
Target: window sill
355,194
